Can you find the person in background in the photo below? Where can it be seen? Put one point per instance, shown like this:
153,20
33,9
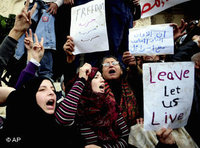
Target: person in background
194,118
190,46
43,25
193,28
120,15
116,78
62,29
123,87
186,51
118,31
186,134
22,23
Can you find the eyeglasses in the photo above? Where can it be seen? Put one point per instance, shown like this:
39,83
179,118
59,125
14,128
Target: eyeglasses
111,63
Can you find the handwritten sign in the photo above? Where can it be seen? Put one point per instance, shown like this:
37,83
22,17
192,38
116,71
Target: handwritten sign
168,94
152,7
151,40
88,27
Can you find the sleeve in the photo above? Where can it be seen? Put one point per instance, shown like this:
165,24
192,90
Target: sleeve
123,139
59,2
27,74
137,13
185,52
66,110
91,137
7,49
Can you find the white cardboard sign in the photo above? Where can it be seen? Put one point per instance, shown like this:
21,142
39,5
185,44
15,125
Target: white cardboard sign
151,40
88,27
168,94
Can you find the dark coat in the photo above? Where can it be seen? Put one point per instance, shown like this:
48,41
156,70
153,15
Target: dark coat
30,125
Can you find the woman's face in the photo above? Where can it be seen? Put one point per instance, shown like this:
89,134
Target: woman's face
46,97
111,69
97,83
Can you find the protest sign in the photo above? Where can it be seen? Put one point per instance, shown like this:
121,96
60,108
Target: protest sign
168,94
152,7
88,27
151,40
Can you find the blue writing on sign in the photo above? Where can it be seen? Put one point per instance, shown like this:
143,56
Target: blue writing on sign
154,41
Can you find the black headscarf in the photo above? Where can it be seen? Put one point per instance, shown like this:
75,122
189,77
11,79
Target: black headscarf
25,119
30,125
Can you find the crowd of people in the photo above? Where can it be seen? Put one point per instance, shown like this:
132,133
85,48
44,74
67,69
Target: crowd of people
101,102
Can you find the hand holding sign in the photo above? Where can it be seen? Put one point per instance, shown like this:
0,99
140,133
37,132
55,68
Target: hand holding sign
69,48
164,135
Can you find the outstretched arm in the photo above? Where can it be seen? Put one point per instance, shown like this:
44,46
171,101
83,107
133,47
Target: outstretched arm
22,23
186,51
67,108
35,53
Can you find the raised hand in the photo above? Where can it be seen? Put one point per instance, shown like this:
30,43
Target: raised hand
71,2
84,71
22,21
140,121
179,30
136,2
128,59
28,40
69,48
53,7
37,51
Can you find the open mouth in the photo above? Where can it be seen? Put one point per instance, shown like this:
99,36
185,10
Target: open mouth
50,102
101,86
112,71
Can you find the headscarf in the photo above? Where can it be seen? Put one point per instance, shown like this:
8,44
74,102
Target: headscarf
25,118
128,104
126,100
98,111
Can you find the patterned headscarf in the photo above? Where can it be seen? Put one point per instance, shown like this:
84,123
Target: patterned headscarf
98,111
128,104
127,101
